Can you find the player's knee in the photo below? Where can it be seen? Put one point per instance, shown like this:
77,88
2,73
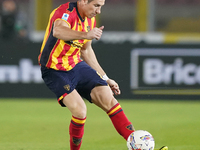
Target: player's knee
111,103
80,112
103,98
75,104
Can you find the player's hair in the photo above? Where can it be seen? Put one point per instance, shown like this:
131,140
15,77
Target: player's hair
88,1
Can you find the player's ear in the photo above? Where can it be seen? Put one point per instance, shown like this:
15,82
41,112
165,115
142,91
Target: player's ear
83,2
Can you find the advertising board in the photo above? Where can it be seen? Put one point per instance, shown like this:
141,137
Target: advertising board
143,71
165,71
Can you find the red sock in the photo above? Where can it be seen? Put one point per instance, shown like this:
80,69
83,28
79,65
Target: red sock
76,131
120,121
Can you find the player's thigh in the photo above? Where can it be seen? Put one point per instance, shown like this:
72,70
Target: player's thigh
102,96
75,104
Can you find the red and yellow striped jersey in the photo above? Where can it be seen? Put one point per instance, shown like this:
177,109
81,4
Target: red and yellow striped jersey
64,55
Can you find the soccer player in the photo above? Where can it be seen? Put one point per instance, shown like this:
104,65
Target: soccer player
70,69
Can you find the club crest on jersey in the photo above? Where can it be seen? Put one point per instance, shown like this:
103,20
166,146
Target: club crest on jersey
65,16
88,28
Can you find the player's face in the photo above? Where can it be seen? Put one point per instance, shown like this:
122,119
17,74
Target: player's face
93,8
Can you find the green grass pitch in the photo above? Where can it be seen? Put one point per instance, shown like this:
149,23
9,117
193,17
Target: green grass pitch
41,124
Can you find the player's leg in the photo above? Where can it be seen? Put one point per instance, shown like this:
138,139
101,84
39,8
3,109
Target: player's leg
60,82
75,104
77,107
102,96
92,87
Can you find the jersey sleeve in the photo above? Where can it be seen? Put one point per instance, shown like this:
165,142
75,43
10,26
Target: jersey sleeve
65,15
69,18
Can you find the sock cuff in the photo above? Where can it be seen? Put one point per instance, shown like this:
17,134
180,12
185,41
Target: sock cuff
114,110
78,121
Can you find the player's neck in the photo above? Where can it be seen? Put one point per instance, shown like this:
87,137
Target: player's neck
80,10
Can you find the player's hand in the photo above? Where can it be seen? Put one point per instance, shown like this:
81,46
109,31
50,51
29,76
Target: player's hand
95,33
114,86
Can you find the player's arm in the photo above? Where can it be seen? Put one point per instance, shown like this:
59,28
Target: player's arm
61,30
88,55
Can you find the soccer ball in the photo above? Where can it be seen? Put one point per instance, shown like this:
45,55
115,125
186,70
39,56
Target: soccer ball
140,140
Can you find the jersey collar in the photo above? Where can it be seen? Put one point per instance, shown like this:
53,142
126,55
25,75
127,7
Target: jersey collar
79,13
